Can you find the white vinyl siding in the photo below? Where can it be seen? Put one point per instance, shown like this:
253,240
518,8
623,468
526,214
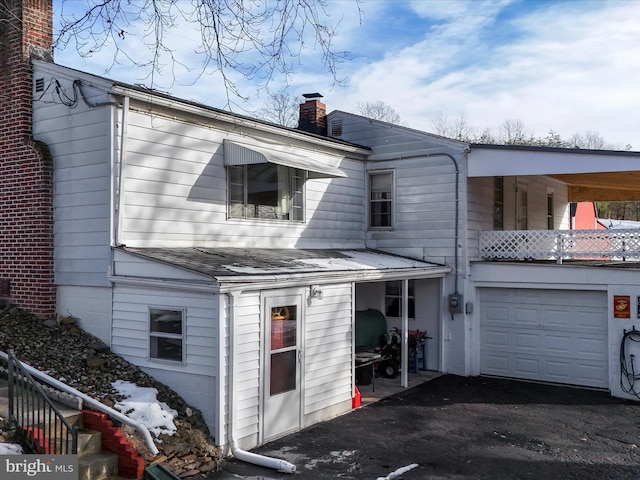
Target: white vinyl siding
90,305
247,369
424,225
130,337
328,349
195,379
175,188
81,145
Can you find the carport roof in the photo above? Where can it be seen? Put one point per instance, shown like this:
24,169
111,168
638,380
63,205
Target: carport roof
591,175
246,265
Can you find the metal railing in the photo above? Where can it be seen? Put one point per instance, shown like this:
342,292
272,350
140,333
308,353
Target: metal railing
41,425
559,245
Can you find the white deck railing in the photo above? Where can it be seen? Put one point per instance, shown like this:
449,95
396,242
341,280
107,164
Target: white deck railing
561,244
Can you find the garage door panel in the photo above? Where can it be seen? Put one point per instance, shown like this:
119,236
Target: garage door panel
497,362
527,366
558,344
496,339
524,316
526,341
498,315
548,335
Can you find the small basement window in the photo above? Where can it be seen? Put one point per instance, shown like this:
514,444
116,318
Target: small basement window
165,334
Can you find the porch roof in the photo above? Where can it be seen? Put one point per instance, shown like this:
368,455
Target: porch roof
592,175
262,265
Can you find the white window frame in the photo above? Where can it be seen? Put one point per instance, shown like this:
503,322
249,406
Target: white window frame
391,201
410,296
551,212
156,334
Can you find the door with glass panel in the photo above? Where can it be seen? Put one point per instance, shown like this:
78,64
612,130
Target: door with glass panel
283,354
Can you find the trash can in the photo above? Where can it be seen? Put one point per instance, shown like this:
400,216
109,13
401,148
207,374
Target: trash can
364,374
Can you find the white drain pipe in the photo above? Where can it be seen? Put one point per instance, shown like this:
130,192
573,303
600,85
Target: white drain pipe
243,455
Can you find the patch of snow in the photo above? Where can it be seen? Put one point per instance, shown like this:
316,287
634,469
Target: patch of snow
399,472
10,449
142,405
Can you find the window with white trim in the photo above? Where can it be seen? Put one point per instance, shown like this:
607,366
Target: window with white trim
266,191
380,200
166,334
393,299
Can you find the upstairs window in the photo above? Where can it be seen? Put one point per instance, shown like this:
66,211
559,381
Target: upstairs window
550,212
380,200
165,334
266,191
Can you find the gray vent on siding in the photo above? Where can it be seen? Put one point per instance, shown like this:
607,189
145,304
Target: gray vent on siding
335,128
39,85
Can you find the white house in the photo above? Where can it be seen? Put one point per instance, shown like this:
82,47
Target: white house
525,301
228,256
224,255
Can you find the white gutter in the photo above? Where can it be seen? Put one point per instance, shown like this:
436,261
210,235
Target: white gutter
243,455
227,283
91,401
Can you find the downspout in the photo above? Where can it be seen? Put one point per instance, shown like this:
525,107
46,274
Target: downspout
243,455
119,200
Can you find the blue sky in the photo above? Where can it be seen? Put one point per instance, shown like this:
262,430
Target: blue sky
572,66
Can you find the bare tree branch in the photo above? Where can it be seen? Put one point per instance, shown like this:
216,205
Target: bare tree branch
251,39
282,109
379,111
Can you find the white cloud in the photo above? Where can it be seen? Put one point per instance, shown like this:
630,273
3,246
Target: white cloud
570,66
567,69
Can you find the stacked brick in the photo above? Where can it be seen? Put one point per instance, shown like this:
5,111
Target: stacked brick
130,463
26,213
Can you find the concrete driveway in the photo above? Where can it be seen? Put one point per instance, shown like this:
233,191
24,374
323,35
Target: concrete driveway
458,428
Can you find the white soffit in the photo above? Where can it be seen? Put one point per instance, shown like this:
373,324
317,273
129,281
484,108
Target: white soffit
487,162
235,154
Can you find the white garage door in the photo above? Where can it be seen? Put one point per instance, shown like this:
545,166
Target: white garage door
549,335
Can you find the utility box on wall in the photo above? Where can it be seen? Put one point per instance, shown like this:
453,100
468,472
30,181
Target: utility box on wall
456,302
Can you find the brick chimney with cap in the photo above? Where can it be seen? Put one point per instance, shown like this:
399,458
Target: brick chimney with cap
313,114
26,195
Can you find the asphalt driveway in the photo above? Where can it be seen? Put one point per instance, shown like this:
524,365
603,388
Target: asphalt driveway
458,428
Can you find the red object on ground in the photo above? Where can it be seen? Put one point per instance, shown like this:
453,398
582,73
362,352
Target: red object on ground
356,399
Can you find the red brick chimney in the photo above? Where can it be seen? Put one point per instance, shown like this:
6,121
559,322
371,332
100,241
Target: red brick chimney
26,216
313,114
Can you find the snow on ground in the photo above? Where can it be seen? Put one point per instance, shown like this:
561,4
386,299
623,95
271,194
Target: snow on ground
142,406
398,473
10,449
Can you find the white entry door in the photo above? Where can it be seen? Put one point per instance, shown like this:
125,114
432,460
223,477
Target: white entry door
282,374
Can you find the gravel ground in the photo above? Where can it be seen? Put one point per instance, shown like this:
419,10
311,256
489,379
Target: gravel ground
467,428
67,353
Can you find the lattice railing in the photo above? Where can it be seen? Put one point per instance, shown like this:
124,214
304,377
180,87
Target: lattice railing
561,244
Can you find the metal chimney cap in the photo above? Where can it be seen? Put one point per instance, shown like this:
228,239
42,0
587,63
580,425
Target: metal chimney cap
311,95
